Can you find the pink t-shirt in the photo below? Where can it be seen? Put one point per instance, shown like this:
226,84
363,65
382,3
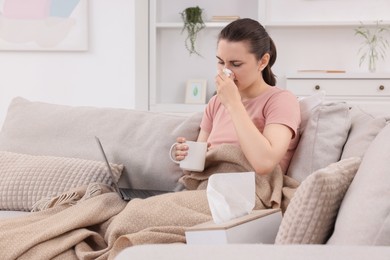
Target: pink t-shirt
275,106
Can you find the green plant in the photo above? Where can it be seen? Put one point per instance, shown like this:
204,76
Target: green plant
374,45
193,24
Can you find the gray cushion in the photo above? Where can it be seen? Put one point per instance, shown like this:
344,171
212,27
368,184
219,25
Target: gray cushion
363,130
322,140
139,140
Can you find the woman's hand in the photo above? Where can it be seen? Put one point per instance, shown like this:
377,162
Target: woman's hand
181,149
227,90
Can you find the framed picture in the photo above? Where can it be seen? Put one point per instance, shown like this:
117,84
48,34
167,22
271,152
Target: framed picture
196,91
41,25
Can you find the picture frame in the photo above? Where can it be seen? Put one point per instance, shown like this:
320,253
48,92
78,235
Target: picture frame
196,91
39,25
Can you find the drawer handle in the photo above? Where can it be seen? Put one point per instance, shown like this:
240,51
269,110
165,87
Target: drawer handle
381,87
317,87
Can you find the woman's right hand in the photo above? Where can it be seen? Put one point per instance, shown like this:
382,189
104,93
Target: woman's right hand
181,149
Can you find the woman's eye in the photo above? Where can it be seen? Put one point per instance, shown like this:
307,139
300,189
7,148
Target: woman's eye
236,64
221,62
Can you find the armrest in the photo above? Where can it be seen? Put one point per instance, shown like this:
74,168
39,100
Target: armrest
260,226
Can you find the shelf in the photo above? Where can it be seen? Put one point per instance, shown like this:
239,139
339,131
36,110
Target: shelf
324,24
315,75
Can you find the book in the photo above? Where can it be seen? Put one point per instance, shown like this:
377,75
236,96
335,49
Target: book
323,71
224,18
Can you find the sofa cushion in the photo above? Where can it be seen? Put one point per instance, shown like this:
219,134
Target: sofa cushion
364,216
321,141
139,140
25,179
363,130
310,216
307,105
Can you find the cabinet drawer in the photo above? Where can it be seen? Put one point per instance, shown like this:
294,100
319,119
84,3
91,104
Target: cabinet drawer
340,87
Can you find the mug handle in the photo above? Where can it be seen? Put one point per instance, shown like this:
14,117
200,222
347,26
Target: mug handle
170,153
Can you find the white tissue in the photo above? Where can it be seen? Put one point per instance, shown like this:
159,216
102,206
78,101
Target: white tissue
231,195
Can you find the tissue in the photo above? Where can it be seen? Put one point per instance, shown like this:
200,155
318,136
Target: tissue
231,195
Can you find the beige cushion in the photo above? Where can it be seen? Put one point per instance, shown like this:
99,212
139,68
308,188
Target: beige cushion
25,179
310,216
137,139
364,217
322,140
363,130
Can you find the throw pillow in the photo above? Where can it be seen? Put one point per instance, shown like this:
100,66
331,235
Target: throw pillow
321,141
363,130
25,179
310,216
364,216
140,140
307,105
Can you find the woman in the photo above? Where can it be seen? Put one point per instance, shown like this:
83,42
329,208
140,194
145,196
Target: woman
248,110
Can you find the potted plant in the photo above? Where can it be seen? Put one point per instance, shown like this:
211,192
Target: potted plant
193,24
374,45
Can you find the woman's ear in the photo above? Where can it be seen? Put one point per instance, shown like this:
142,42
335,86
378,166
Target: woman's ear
263,62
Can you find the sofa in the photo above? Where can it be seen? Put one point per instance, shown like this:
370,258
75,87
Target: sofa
341,163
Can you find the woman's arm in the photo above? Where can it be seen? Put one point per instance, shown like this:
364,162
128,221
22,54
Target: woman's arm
263,150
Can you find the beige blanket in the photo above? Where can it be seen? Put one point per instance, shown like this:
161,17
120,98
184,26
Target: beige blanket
94,223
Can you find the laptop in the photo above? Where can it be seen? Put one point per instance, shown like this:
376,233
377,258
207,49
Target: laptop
125,193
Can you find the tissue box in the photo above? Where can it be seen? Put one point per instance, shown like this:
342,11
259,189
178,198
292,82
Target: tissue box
260,226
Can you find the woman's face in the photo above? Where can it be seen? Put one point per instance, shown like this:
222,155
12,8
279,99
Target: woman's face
236,57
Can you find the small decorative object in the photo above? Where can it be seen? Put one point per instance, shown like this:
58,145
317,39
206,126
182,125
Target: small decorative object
193,24
374,45
196,91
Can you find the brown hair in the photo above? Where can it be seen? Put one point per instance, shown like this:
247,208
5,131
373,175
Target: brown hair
260,42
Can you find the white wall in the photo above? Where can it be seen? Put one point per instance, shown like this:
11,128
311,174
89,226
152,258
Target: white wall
102,76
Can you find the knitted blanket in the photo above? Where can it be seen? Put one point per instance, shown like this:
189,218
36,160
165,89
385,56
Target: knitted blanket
95,223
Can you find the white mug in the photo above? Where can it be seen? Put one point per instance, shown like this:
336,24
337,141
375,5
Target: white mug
196,157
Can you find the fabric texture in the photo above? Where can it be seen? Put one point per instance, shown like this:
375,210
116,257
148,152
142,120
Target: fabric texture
321,141
139,140
364,216
310,216
101,226
275,106
25,179
364,129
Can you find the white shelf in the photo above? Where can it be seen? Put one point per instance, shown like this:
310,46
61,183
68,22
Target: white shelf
311,75
324,23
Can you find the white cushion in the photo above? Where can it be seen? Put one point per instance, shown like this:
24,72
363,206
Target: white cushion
364,216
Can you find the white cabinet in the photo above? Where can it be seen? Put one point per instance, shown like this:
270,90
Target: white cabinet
361,88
